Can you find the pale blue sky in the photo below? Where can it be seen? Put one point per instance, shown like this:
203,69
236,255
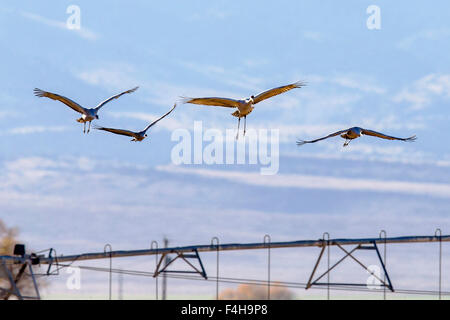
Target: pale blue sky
76,192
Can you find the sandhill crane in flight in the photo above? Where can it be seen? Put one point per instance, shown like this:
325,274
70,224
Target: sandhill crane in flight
137,136
244,106
87,115
356,132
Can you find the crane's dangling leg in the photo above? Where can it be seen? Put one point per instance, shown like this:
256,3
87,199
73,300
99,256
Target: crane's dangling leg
239,122
84,128
347,142
89,129
245,124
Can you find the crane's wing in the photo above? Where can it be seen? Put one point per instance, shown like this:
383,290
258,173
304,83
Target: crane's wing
276,91
72,104
384,136
165,115
115,97
213,101
302,142
117,131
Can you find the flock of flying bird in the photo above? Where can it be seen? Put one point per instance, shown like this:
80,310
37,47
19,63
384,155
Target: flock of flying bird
243,108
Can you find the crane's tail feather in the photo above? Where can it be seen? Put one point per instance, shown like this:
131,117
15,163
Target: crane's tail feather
236,114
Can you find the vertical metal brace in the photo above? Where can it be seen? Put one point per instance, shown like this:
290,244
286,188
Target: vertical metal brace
216,240
438,233
386,275
36,288
267,241
154,245
309,284
383,235
110,267
327,244
201,264
50,256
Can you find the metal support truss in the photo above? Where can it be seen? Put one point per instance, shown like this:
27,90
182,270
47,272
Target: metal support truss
184,257
373,246
13,289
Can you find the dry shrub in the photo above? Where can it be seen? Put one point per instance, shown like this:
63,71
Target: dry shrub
256,292
8,238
